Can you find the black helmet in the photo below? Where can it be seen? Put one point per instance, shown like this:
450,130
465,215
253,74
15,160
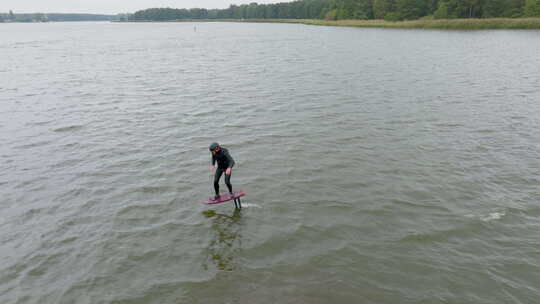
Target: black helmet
213,146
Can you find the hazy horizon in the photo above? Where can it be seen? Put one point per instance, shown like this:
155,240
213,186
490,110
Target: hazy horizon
113,7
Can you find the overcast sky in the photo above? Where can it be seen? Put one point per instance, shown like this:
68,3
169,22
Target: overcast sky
112,6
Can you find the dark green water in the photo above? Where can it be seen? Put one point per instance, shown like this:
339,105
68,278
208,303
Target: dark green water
381,166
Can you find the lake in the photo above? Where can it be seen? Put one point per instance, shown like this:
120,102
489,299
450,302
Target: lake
380,165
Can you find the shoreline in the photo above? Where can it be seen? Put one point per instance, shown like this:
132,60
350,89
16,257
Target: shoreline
445,24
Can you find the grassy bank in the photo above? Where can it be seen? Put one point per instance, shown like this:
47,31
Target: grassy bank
450,24
455,24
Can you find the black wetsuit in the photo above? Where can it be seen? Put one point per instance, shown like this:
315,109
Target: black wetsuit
224,161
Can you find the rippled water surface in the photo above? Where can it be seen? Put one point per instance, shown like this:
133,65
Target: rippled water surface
381,166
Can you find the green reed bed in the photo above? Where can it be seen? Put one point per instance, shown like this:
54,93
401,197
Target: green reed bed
455,24
450,24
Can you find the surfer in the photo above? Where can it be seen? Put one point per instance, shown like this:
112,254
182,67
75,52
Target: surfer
224,164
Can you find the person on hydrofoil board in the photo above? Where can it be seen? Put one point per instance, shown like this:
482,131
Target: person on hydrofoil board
225,164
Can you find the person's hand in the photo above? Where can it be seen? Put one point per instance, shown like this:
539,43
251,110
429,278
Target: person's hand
212,169
228,171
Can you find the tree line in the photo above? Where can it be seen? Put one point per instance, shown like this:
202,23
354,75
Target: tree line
392,10
40,17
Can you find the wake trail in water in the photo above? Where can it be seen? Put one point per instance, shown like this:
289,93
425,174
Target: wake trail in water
250,205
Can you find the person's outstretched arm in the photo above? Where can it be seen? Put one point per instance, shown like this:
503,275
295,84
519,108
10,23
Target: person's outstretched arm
213,167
